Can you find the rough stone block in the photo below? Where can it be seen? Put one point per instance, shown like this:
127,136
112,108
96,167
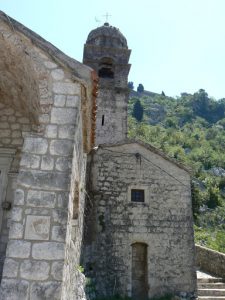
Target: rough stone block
57,270
57,74
41,199
50,65
16,231
59,100
34,270
72,101
12,289
30,161
67,132
17,142
16,134
23,120
51,131
26,127
5,133
16,214
47,163
48,251
35,145
60,216
44,180
4,125
11,267
46,290
19,197
63,115
66,88
61,147
6,141
62,200
63,164
37,228
15,126
20,249
44,118
59,233
7,111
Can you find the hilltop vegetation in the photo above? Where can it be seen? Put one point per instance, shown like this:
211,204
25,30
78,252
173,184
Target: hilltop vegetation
190,128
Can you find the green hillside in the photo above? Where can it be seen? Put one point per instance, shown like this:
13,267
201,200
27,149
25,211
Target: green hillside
190,129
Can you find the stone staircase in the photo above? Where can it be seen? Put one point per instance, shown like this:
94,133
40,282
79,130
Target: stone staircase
211,288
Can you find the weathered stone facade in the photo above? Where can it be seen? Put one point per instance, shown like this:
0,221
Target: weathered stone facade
46,123
47,130
163,222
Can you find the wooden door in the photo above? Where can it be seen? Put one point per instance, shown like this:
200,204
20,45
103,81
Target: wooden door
139,272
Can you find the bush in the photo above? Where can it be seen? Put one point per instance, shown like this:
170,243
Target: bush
213,239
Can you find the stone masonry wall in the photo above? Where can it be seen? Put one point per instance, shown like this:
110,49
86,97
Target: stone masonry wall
210,261
38,240
114,223
113,106
13,127
73,279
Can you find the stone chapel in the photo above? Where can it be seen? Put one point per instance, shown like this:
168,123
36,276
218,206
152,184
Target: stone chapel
74,190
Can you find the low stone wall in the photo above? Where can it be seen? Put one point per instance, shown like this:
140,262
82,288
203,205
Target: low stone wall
210,261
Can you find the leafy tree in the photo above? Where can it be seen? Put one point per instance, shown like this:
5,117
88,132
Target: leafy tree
138,111
197,200
213,197
131,85
140,88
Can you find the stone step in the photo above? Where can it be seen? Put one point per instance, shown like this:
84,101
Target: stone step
210,280
210,298
211,292
211,285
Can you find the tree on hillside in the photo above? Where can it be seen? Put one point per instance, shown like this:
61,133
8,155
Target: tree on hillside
140,88
138,111
131,85
207,108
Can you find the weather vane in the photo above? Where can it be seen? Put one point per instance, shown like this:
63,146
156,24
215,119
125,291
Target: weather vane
106,17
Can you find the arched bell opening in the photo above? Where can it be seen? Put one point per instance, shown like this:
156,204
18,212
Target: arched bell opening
106,68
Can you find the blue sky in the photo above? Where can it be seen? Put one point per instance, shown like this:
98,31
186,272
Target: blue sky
177,45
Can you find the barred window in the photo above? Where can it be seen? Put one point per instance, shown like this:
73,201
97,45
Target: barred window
137,195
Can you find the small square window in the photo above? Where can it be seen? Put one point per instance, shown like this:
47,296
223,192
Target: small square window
137,195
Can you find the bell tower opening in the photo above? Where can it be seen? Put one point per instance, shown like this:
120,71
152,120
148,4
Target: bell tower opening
106,68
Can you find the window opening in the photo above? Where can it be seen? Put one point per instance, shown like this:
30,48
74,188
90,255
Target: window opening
137,195
76,200
103,120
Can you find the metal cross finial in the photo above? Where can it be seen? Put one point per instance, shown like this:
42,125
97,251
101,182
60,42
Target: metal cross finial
107,16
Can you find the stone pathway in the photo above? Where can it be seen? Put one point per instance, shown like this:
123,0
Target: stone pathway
210,287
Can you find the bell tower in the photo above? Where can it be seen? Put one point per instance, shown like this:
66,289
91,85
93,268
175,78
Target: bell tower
106,51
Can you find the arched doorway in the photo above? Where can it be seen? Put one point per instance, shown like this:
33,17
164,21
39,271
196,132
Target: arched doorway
139,271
